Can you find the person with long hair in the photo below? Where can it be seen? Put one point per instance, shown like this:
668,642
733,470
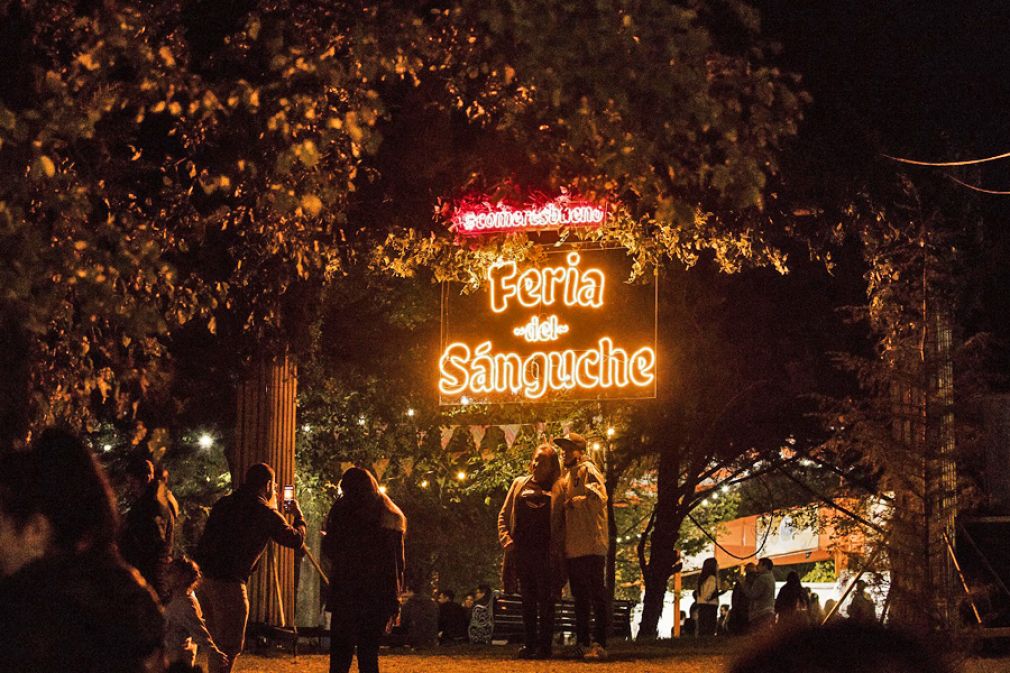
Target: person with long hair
791,603
531,528
708,598
364,542
69,602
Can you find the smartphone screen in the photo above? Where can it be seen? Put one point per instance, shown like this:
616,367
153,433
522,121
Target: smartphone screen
289,493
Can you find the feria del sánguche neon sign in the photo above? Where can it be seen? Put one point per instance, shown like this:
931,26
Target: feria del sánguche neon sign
481,371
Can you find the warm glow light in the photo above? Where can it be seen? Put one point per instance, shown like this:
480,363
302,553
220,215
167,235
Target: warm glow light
382,489
410,412
107,447
424,483
596,446
482,372
473,219
610,432
543,287
461,475
205,441
541,330
361,420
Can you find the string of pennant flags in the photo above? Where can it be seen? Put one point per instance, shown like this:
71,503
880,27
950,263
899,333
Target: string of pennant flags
475,433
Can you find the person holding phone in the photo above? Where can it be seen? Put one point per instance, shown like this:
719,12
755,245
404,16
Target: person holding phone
238,530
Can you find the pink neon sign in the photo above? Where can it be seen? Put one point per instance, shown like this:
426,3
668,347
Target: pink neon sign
476,218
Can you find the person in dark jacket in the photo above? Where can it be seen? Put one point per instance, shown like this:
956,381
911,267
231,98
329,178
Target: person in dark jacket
69,603
452,618
239,528
739,606
148,533
364,542
531,528
791,603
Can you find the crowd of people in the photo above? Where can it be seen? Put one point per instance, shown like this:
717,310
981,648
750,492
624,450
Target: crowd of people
85,591
755,606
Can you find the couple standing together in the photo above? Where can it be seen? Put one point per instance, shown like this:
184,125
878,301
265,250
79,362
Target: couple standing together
553,527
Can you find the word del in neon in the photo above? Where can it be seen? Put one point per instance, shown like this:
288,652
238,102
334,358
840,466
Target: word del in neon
566,284
541,330
484,218
482,372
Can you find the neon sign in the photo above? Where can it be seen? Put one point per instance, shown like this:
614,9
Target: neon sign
562,330
474,219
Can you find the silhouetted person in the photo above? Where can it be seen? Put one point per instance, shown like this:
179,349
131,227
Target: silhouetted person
419,619
68,603
708,597
842,647
148,533
761,597
239,528
364,543
791,604
452,619
862,609
586,544
531,529
739,604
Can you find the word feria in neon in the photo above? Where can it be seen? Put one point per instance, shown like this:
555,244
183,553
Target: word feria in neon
483,218
481,372
543,287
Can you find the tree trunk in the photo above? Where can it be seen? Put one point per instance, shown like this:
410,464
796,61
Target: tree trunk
265,433
663,543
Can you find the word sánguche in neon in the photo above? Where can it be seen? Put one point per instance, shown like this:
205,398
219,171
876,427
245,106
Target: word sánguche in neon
536,329
567,284
483,372
480,219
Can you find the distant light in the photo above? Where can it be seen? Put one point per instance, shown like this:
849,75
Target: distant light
424,483
610,432
410,412
596,446
361,420
307,428
464,400
205,441
725,488
107,447
382,489
714,496
461,475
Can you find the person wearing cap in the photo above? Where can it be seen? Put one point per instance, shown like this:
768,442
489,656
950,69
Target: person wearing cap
239,528
586,543
146,539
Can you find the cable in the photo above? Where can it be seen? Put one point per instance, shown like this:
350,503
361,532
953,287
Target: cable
980,189
942,164
757,551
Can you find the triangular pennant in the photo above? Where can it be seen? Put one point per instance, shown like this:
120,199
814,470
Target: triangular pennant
478,432
510,432
407,466
379,467
446,435
487,454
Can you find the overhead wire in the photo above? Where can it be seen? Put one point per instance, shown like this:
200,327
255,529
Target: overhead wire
947,164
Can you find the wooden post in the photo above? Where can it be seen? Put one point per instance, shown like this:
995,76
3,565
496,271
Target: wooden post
265,433
677,585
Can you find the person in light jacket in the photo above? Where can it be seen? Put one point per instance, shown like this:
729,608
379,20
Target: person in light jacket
586,543
531,529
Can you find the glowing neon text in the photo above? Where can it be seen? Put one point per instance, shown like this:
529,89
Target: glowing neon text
481,372
542,287
541,330
484,218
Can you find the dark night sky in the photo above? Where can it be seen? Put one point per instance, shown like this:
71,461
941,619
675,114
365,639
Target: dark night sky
923,79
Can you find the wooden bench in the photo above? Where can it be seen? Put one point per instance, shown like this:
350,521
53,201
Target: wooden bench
507,617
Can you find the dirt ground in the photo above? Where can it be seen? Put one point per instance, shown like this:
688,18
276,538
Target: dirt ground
663,657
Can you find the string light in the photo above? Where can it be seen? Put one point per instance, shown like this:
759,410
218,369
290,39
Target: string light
410,412
596,446
461,475
205,441
361,420
610,431
107,448
424,483
382,489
